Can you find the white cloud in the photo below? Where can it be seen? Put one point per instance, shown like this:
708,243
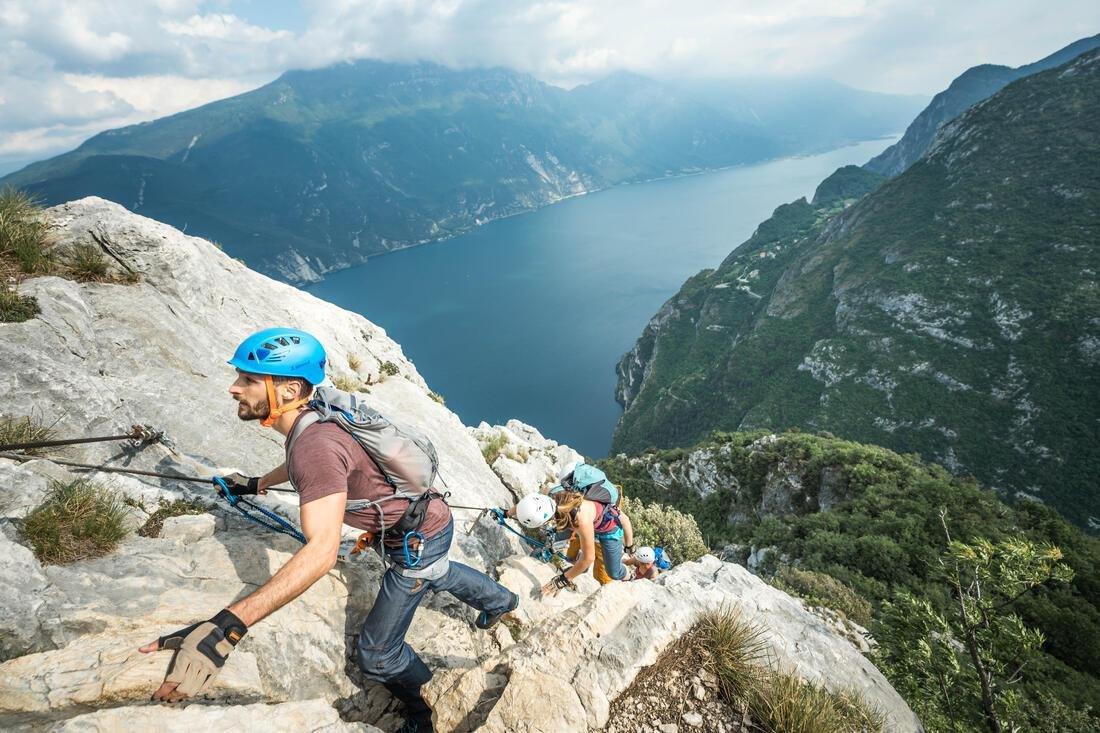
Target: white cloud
223,27
70,69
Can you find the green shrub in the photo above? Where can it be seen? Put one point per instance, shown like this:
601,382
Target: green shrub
662,526
821,589
23,232
389,369
494,448
78,520
177,508
24,430
16,308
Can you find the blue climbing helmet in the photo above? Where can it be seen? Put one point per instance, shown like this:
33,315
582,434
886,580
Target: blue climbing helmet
282,352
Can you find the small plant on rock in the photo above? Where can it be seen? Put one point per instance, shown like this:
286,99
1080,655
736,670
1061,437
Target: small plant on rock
347,382
494,448
355,362
389,369
78,520
436,397
167,509
87,263
23,233
16,308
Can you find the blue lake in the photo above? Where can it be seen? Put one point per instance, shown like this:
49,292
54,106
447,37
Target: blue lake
526,317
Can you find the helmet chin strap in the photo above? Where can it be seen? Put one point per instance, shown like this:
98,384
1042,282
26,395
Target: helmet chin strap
275,412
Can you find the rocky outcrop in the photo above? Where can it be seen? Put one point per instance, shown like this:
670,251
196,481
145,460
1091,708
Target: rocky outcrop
104,356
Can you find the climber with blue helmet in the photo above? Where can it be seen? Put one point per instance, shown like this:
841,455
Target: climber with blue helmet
277,371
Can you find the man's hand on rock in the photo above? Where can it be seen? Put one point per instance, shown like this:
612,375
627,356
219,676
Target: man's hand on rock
242,485
199,652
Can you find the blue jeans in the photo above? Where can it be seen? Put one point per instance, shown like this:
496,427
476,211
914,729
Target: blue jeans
383,654
611,543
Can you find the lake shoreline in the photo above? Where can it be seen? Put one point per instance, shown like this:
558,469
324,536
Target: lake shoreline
502,217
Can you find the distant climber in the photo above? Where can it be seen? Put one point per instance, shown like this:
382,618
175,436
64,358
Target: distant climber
644,563
277,370
584,502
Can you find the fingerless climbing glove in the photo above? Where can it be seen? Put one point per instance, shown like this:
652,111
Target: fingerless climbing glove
201,650
242,485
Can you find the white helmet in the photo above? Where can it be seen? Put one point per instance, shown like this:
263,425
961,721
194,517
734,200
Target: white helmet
645,555
535,510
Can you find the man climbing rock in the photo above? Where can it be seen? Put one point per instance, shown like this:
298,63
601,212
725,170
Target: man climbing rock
277,370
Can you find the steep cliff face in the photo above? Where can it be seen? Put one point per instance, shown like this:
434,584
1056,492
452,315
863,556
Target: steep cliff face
952,312
101,356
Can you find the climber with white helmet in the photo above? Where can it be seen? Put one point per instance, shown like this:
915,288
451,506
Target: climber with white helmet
278,370
644,563
585,503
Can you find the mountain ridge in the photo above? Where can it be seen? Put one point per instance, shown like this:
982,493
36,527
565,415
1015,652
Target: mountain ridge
967,89
321,169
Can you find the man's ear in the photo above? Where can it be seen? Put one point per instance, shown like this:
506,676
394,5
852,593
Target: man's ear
290,390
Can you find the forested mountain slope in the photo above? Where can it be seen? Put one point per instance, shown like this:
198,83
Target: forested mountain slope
954,312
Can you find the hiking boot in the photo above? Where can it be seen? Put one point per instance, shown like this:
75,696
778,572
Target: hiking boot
486,622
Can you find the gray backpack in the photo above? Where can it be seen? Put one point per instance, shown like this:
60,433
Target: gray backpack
405,456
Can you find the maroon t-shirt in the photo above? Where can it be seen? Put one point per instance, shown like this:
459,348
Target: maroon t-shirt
326,459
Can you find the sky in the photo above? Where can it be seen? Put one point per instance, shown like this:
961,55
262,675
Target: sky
71,69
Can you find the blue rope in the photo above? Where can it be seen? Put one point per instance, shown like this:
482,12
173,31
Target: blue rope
543,553
276,523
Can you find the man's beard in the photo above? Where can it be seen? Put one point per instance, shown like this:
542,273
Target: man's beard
258,411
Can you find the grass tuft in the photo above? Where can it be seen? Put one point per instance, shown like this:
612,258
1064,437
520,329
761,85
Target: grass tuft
355,362
178,508
78,520
347,382
87,263
24,430
435,396
780,702
23,233
494,448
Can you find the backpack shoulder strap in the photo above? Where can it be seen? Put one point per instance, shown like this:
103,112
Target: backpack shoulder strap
304,422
